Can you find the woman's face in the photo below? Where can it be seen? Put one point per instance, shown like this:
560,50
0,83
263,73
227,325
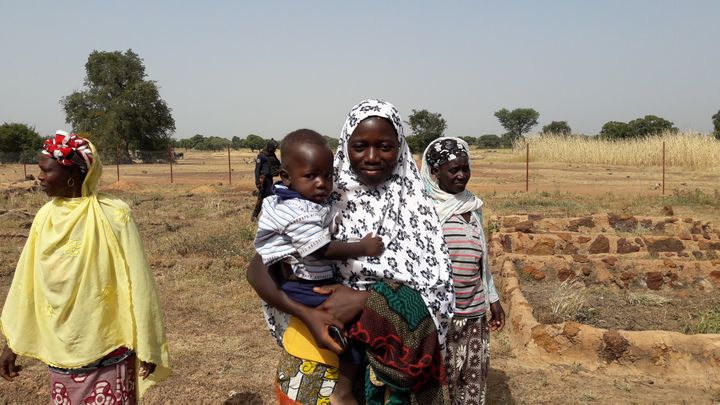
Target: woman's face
453,176
373,150
54,177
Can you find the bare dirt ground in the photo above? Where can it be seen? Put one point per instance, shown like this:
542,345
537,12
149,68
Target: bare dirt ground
198,239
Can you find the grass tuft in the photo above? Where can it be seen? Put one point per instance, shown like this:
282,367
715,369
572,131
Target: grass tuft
647,299
567,301
707,321
694,198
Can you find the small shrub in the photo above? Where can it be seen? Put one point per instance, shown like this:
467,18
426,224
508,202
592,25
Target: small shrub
694,197
707,321
585,314
492,226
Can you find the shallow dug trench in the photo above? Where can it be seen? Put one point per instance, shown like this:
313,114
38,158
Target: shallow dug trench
582,298
618,294
616,272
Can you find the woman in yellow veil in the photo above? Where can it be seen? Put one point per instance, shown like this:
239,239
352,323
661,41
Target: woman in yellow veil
83,299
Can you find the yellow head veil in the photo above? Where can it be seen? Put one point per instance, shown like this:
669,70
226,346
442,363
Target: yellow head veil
82,286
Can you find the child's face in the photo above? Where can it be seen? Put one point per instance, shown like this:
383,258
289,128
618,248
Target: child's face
453,176
310,172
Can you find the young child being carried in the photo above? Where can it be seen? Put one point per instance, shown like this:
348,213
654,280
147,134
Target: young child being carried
294,228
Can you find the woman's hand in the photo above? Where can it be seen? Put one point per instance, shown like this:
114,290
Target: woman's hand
344,303
146,369
497,322
266,283
8,368
318,322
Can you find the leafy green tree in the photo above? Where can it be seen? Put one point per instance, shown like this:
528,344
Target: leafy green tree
197,141
471,140
18,142
506,140
216,143
426,126
237,143
518,121
613,130
716,124
183,143
332,142
254,142
415,143
489,141
558,128
119,106
651,125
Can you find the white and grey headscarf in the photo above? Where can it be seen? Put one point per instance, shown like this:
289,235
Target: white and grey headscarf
438,152
400,212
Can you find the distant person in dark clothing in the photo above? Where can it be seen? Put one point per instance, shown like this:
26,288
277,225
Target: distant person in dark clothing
267,165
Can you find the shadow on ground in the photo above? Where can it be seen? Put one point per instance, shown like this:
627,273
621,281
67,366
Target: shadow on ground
498,390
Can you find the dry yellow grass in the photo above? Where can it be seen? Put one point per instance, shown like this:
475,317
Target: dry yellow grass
688,150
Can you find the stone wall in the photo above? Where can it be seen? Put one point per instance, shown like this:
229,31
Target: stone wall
619,252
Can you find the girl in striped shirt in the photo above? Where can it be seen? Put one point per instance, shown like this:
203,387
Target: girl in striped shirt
445,172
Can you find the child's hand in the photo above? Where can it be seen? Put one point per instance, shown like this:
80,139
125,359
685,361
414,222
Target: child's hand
372,245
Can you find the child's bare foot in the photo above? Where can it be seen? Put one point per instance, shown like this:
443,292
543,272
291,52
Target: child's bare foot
343,393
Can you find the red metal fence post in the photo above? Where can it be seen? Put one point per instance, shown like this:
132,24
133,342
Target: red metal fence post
229,167
663,164
117,161
170,159
527,167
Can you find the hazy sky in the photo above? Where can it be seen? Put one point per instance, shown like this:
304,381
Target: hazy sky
233,68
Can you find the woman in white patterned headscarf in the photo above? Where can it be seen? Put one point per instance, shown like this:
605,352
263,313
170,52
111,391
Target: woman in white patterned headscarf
446,171
377,189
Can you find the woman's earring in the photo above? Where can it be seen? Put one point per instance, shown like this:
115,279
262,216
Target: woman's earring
71,182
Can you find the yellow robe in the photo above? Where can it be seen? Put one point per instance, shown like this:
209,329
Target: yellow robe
83,287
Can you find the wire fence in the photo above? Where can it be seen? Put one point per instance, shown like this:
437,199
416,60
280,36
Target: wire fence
493,171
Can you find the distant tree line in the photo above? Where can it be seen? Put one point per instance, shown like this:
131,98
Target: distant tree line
648,125
252,142
427,126
200,142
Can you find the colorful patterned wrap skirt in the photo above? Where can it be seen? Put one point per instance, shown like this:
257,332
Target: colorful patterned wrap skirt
301,381
112,384
405,363
468,360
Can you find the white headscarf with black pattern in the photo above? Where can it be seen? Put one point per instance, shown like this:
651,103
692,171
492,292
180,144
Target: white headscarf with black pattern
401,213
439,151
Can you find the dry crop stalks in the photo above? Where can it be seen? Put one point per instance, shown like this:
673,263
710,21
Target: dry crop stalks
689,150
567,300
